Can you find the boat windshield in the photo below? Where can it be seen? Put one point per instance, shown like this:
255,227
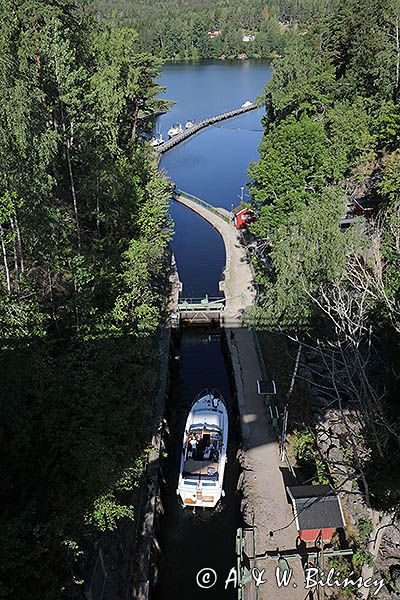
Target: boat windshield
199,428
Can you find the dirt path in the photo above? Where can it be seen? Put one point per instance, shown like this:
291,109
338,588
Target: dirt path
264,492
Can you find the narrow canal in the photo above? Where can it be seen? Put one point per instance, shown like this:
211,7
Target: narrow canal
212,165
205,539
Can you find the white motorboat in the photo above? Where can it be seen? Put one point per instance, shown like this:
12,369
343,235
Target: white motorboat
157,140
246,104
175,129
204,451
189,124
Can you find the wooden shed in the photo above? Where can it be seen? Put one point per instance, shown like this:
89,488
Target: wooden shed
364,207
242,216
317,510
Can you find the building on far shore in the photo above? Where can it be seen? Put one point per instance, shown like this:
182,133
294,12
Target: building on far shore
250,37
214,34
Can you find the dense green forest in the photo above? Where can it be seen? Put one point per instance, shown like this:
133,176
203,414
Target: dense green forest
201,29
84,228
332,136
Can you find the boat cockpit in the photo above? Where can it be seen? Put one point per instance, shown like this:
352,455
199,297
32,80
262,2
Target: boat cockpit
202,452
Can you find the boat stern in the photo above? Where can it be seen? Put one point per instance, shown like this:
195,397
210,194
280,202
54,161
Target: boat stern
194,498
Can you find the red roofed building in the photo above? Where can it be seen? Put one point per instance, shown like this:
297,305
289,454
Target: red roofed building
317,510
242,216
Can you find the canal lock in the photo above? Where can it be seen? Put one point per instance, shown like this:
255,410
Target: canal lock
185,543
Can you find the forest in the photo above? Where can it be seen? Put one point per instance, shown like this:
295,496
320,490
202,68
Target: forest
84,229
332,141
202,29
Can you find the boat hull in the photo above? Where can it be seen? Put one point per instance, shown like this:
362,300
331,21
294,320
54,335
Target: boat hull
204,452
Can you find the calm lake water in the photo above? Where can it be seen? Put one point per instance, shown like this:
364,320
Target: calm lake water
212,164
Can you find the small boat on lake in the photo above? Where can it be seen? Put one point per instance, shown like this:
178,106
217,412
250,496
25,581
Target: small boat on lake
246,104
157,140
190,124
175,129
204,451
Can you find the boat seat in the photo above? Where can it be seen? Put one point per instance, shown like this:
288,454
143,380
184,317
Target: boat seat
199,467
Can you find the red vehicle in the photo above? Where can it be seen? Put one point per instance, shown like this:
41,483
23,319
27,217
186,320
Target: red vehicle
242,216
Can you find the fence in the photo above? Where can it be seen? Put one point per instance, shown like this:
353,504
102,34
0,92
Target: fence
95,588
210,207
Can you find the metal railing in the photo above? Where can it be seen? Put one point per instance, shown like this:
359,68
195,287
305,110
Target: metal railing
207,300
201,202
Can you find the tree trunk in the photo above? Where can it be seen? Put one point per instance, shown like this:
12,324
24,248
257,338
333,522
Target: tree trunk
397,38
19,239
71,177
77,316
5,259
67,141
97,208
134,126
15,253
53,306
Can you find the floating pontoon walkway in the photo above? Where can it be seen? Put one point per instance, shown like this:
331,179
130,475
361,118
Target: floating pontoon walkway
177,139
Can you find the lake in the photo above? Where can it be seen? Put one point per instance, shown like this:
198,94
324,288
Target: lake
213,164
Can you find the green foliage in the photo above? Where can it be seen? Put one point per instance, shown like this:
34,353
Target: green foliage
365,528
83,218
360,38
300,84
303,442
306,453
362,557
107,512
318,135
386,125
389,187
292,168
343,568
180,31
309,251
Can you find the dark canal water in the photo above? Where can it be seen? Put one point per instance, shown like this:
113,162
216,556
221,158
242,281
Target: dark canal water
191,542
212,165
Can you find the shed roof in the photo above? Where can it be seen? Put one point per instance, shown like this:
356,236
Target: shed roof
240,208
316,507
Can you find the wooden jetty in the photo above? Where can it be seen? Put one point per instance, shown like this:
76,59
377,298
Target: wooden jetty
186,133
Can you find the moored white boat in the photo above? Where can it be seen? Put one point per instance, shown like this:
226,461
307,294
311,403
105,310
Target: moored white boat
189,124
175,129
204,451
157,140
246,104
